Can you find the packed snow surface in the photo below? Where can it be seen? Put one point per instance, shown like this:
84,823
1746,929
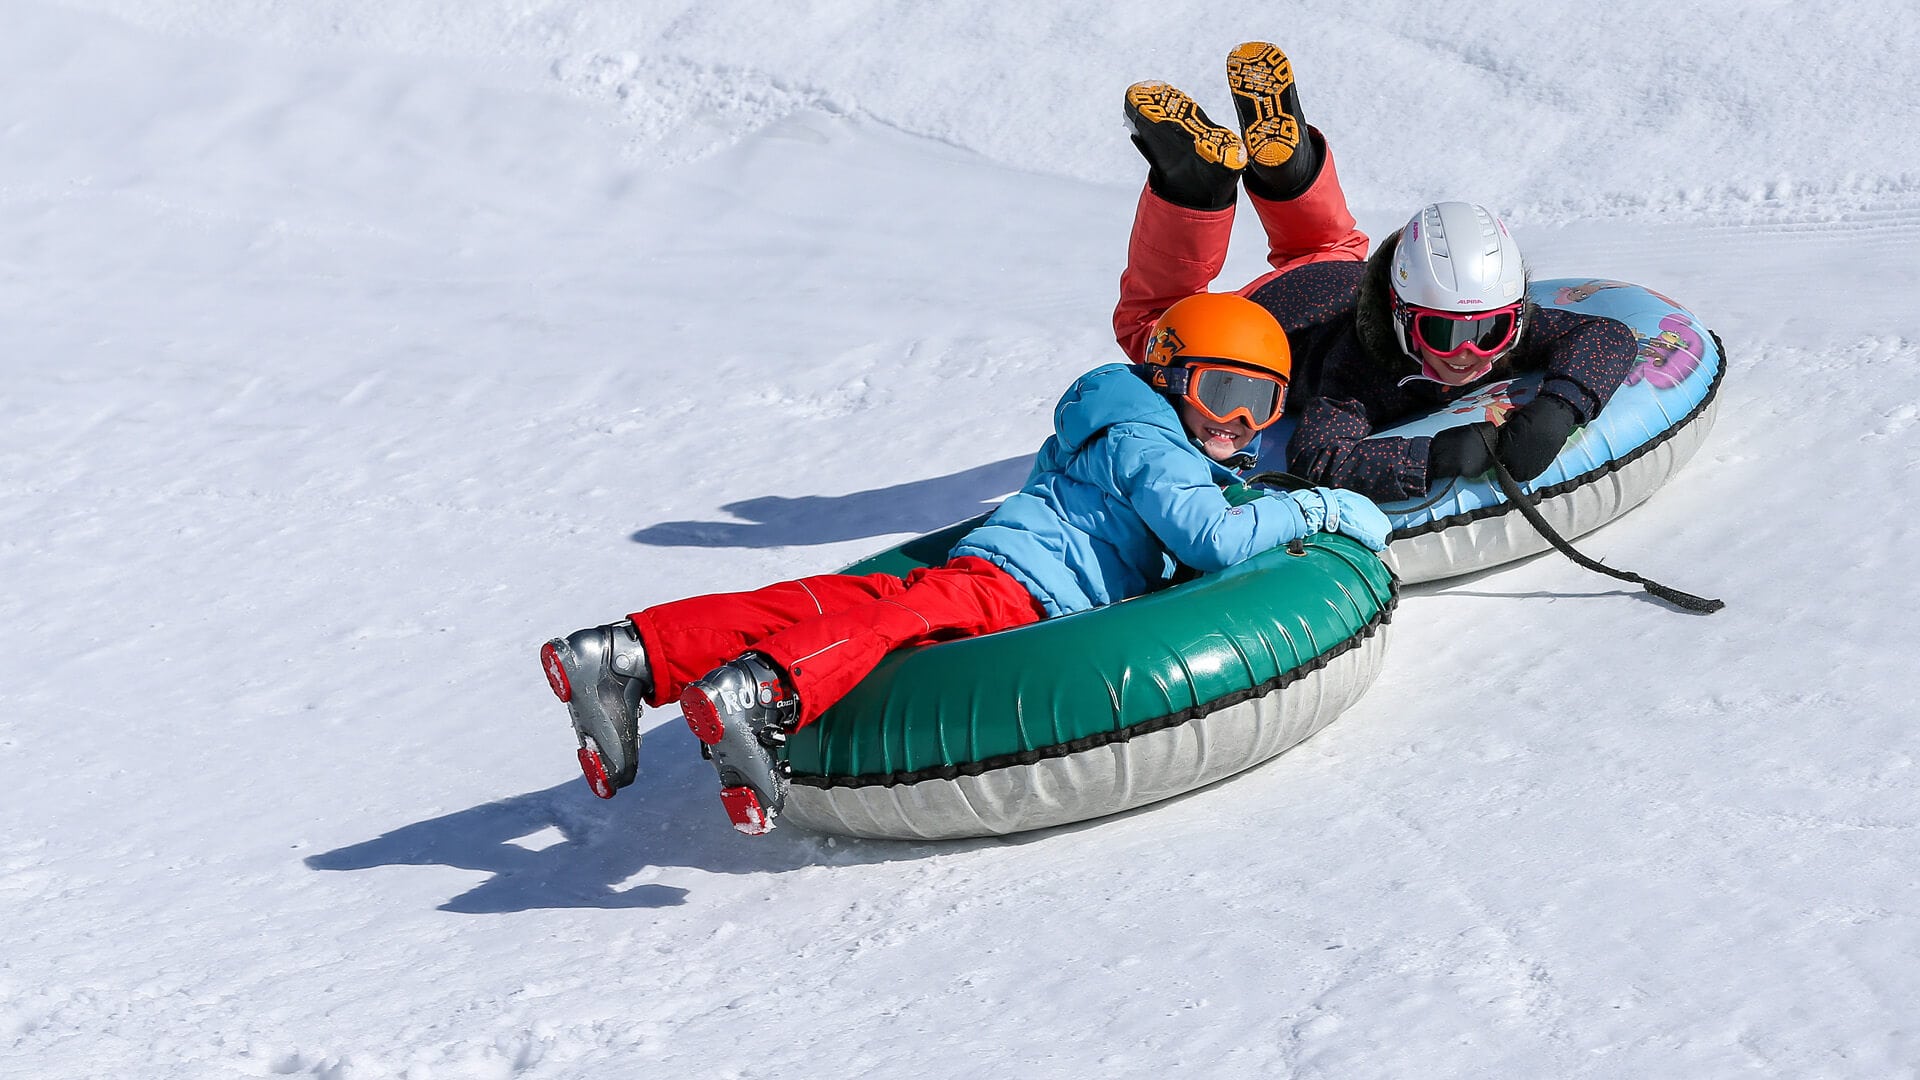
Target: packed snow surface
352,348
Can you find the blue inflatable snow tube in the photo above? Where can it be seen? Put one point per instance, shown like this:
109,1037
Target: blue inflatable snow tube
1649,429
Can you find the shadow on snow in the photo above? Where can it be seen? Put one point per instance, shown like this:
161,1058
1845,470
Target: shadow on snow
669,817
779,520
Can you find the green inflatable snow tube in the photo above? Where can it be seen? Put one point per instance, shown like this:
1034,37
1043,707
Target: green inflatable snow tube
1094,713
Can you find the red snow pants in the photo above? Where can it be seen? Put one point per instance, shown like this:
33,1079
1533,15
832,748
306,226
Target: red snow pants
1174,252
826,633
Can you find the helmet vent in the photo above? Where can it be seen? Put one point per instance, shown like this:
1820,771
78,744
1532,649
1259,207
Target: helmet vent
1489,235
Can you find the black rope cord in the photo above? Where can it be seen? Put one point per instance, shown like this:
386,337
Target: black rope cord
1683,600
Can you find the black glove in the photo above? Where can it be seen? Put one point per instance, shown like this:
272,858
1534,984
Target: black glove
1534,434
1460,452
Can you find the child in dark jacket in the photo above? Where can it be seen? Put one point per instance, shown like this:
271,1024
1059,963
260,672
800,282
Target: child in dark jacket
1128,489
1439,307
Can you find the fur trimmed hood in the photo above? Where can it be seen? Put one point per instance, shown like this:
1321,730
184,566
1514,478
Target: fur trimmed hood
1373,313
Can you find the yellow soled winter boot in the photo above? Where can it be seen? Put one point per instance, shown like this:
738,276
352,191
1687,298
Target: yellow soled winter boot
1282,158
1191,161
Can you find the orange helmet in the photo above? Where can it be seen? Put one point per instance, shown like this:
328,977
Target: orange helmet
1220,327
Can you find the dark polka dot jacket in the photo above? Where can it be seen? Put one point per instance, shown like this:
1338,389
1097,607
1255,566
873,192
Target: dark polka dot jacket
1347,372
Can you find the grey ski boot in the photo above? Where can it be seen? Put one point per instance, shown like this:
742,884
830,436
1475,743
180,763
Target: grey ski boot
741,712
601,674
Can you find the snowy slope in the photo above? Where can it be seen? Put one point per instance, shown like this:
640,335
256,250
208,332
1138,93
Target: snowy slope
352,349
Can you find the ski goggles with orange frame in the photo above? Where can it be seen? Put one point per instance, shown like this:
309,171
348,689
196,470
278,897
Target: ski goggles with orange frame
1224,392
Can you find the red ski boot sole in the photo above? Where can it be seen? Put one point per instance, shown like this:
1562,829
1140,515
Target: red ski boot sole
556,672
702,717
743,807
595,770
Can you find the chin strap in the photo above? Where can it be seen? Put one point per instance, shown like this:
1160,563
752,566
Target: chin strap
1685,601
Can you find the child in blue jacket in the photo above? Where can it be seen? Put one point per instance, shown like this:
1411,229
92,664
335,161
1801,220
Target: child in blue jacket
1127,490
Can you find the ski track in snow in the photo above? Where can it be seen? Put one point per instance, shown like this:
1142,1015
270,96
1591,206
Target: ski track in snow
353,349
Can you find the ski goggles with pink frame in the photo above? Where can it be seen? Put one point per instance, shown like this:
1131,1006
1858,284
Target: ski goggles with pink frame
1450,333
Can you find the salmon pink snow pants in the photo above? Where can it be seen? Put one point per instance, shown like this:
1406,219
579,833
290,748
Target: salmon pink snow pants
1174,252
826,633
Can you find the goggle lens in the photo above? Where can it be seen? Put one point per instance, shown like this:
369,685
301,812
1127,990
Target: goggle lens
1447,333
1221,392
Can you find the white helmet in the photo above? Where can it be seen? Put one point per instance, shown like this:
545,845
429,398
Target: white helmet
1457,259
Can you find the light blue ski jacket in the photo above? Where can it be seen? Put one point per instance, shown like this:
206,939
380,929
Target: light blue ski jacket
1117,497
